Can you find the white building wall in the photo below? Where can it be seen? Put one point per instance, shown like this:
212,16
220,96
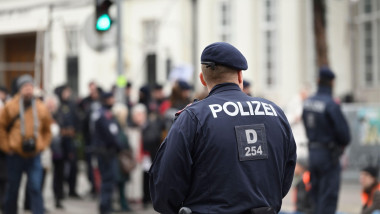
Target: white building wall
290,52
244,35
57,55
290,48
338,37
245,38
174,37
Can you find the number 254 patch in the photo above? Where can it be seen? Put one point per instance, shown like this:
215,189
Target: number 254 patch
252,142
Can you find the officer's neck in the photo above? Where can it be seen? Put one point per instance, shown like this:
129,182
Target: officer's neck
211,86
324,89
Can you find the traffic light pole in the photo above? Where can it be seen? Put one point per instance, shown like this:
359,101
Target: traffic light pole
120,64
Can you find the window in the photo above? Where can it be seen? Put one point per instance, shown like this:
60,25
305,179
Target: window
72,66
150,32
224,20
72,38
269,34
72,73
369,41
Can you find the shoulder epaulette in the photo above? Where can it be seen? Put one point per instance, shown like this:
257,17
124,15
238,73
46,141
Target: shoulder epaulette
180,111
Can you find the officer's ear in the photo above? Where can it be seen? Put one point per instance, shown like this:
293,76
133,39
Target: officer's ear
240,78
201,77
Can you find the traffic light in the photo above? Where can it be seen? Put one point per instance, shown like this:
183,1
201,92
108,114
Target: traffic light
103,20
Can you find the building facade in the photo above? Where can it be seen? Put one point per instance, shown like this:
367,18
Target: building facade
365,55
163,39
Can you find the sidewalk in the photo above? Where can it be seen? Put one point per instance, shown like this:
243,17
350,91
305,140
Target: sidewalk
349,199
349,203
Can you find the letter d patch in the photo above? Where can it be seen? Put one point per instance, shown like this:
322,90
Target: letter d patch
252,142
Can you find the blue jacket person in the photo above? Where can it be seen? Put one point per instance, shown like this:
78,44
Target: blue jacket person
228,153
328,133
105,131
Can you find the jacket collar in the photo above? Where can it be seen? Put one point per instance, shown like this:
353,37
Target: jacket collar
324,90
224,87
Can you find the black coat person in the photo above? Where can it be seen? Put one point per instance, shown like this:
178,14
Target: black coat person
86,107
228,153
67,119
151,137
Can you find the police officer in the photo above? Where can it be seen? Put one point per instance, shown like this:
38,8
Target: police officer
328,134
228,153
106,140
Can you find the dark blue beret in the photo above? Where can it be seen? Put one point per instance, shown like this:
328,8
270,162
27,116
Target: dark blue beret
222,53
184,85
326,73
145,90
107,95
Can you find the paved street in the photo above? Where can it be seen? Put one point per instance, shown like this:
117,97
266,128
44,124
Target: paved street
349,199
349,202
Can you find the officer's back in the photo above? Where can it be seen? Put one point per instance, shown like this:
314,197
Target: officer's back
324,120
228,153
231,171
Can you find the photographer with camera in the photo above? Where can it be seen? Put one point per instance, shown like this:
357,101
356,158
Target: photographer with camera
24,133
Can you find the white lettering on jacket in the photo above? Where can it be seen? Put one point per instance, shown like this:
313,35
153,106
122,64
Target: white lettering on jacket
247,108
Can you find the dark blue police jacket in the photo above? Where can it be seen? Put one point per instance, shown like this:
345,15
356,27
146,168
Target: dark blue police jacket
225,154
324,120
66,115
106,133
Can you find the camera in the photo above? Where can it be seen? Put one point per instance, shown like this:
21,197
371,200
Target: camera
29,145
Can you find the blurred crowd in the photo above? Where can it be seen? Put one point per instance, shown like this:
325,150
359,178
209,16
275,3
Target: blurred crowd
53,132
116,141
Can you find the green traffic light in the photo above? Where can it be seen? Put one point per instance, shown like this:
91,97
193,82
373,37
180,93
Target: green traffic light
103,23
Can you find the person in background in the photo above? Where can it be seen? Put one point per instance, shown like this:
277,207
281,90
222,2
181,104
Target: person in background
303,200
179,99
328,134
182,95
46,155
135,186
247,87
52,103
4,96
140,119
145,97
3,156
67,119
293,111
370,190
25,130
128,101
301,187
120,111
151,132
158,100
86,106
107,145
